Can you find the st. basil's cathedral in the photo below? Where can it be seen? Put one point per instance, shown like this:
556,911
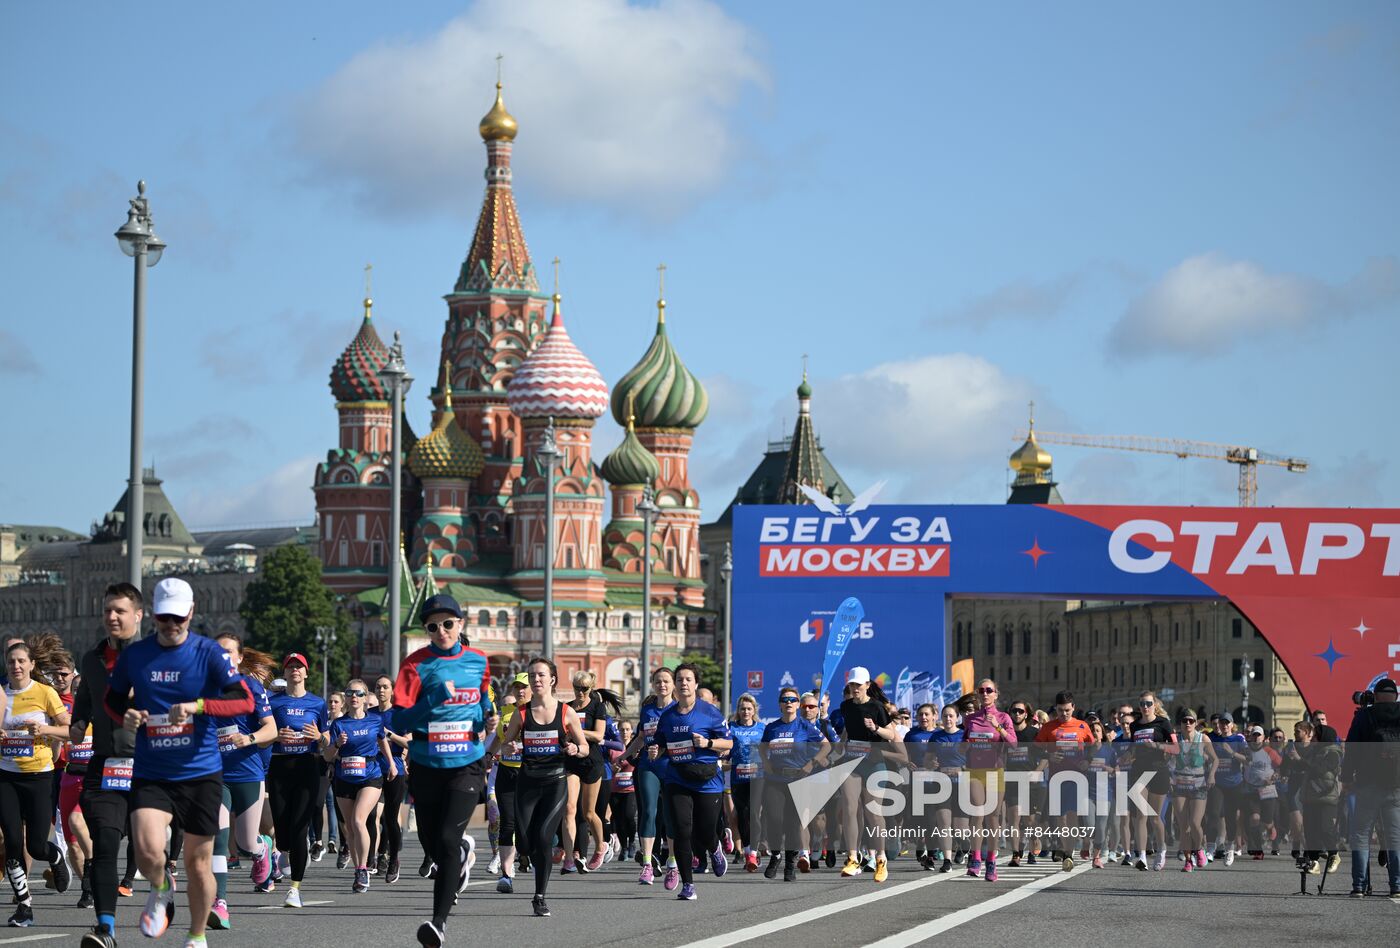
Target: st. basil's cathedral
474,486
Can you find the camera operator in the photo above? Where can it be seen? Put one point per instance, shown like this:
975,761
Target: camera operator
1371,769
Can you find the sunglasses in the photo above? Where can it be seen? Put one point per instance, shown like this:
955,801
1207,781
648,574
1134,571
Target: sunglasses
1019,711
787,699
447,625
171,620
986,691
809,707
1188,720
357,693
1147,704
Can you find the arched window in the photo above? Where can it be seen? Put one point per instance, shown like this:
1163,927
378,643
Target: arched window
528,619
1008,639
566,621
483,618
1025,638
1054,638
503,618
991,641
583,620
672,624
627,620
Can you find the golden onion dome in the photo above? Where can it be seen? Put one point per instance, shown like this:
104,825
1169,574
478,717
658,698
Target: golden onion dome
447,451
498,125
1030,458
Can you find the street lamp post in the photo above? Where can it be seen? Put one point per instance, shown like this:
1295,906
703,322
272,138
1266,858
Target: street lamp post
1246,673
726,573
648,509
137,238
549,454
325,638
395,375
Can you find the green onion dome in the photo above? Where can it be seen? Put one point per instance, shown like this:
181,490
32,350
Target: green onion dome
630,463
664,391
447,451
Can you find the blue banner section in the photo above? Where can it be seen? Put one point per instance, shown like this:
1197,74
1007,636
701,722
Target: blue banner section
843,628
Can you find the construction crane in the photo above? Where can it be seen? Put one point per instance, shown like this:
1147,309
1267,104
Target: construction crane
1248,459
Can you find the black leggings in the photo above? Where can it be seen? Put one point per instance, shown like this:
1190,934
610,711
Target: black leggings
508,831
539,806
624,817
106,815
318,814
445,799
781,825
391,835
26,816
696,814
743,811
293,781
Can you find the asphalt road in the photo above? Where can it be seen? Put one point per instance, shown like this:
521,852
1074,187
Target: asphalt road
1250,904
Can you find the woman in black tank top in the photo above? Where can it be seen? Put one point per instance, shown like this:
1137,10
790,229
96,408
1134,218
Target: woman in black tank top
548,732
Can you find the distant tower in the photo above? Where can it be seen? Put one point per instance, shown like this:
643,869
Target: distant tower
352,485
446,460
558,382
670,404
1035,479
804,459
496,314
630,468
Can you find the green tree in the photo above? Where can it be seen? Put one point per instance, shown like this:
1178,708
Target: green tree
711,671
283,607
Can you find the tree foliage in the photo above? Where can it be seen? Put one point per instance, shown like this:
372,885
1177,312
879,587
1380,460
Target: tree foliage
283,607
711,671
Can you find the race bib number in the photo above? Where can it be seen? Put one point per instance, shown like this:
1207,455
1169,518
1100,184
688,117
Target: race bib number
649,731
162,735
1144,737
116,773
352,767
1268,792
541,743
16,744
624,780
1018,755
449,738
857,748
1067,747
512,754
1098,763
295,745
981,737
1188,781
226,735
81,753
681,751
745,771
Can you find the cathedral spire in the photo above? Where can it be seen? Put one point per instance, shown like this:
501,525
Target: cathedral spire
499,258
804,459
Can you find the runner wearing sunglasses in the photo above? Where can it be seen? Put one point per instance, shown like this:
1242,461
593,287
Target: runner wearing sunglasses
1020,819
989,731
359,747
1151,740
744,769
1193,774
792,747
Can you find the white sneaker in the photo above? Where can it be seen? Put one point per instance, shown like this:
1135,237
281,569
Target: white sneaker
1230,857
1161,861
495,867
293,899
468,860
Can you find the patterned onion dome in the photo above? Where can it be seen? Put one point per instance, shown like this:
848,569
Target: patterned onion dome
556,380
666,394
630,462
447,451
355,374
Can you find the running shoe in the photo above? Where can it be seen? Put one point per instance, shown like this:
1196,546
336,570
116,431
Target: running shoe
595,861
391,872
558,856
1200,859
160,909
882,870
505,885
1333,862
1127,859
751,862
991,870
696,865
430,936
1030,860
361,883
867,862
172,868
770,871
974,867
262,865
540,906
267,886
947,865
1067,864
687,892
218,916
1083,854
318,851
425,871
851,869
728,840
468,860
281,864
1230,857
1358,893
293,899
959,857
342,858
85,901
1015,860
381,865
804,863
62,876
1140,862
647,877
718,863
99,937
495,866
829,857
789,872
1189,866
673,879
1098,862
23,917
124,889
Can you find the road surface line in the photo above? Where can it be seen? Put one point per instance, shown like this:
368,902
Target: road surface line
927,930
269,908
811,915
16,941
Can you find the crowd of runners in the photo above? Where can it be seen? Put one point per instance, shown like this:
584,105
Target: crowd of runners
184,760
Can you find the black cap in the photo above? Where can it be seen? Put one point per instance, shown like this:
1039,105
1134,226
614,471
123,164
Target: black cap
440,603
1385,684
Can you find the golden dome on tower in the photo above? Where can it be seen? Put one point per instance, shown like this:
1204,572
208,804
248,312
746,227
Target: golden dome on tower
1030,460
498,125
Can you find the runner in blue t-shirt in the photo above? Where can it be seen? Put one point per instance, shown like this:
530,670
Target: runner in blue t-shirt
792,748
166,690
743,770
359,746
294,773
1227,798
693,734
651,817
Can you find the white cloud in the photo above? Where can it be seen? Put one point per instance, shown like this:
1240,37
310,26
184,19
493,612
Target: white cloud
618,104
282,496
1207,303
1020,299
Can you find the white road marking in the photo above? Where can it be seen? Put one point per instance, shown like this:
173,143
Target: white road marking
811,915
269,908
16,941
927,930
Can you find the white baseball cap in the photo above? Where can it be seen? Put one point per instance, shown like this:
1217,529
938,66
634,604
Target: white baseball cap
173,597
860,675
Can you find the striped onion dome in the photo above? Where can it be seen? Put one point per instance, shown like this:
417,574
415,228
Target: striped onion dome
630,462
664,391
447,451
557,380
355,374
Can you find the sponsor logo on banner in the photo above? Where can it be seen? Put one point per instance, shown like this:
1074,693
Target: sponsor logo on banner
814,628
755,681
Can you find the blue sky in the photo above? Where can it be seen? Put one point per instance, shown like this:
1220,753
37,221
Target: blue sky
1177,221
